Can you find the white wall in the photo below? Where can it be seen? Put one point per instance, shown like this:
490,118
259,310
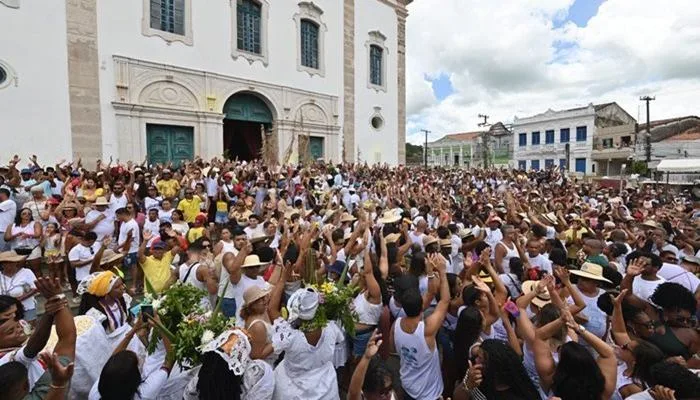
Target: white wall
35,114
373,16
120,33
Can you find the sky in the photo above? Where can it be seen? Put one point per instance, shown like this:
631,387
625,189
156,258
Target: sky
508,58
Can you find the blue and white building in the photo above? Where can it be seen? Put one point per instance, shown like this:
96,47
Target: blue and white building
563,138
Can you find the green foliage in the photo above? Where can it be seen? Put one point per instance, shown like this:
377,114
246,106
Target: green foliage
174,303
191,336
639,167
414,154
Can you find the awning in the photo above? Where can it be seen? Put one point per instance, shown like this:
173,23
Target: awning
687,165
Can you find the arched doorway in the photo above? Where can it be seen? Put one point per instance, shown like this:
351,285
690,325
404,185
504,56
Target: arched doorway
247,117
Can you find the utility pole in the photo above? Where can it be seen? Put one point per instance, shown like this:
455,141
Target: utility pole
425,152
648,99
485,139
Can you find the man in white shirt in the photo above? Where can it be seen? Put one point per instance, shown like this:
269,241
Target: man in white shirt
641,276
493,234
254,229
152,223
8,211
98,220
118,199
82,255
129,241
671,271
536,259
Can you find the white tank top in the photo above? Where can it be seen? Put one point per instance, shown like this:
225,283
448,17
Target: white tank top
510,253
420,367
367,313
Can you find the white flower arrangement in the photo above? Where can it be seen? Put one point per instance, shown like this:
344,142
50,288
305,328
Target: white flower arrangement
207,337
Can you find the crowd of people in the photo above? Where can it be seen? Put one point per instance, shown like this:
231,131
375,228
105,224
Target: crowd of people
461,284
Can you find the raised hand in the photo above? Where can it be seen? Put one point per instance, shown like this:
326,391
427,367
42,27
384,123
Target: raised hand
481,285
60,375
147,235
48,287
636,267
563,275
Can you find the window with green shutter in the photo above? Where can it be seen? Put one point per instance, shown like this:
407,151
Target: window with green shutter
249,26
168,16
309,44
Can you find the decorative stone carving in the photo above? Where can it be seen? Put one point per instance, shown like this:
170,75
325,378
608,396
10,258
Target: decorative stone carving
168,94
313,113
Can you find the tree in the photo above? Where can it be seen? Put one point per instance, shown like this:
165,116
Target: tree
414,154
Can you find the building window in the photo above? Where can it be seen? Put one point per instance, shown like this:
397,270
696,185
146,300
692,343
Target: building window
562,163
548,163
377,54
377,122
607,143
249,30
168,16
171,20
581,165
564,135
311,37
522,165
376,59
249,26
549,137
309,44
3,75
522,139
535,165
581,133
535,138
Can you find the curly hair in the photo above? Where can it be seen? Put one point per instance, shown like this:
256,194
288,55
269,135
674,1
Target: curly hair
216,381
673,296
676,377
504,367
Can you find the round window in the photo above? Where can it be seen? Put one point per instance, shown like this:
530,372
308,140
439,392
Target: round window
377,122
3,75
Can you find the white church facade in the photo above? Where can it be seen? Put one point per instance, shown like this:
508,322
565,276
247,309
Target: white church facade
173,79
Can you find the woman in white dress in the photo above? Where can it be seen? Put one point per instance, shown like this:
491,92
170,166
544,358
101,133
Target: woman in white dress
307,371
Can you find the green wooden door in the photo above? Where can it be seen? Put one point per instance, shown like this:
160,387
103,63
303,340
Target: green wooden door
247,107
166,143
316,147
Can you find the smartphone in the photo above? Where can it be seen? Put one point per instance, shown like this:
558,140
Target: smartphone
135,310
146,312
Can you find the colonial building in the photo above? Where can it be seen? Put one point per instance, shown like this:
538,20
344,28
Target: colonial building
453,150
170,79
564,138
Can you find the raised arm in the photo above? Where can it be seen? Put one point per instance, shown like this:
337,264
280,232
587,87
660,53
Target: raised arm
384,257
273,308
619,330
435,320
500,292
563,275
358,377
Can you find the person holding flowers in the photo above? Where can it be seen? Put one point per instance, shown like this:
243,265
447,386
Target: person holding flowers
309,340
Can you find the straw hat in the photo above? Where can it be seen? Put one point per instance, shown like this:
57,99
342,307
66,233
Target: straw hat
541,299
650,224
346,217
466,234
445,243
389,217
590,271
253,294
101,201
11,256
428,240
392,237
109,256
252,261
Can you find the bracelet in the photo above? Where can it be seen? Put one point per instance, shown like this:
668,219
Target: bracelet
431,276
59,296
52,386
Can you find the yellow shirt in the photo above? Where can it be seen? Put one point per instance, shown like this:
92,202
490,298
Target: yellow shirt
194,234
168,189
221,206
189,208
158,271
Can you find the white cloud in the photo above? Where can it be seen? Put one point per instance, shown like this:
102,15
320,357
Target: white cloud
506,58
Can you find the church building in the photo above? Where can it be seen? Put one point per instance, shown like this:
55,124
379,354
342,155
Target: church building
285,80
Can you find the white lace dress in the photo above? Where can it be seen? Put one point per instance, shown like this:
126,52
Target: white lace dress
258,382
307,372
